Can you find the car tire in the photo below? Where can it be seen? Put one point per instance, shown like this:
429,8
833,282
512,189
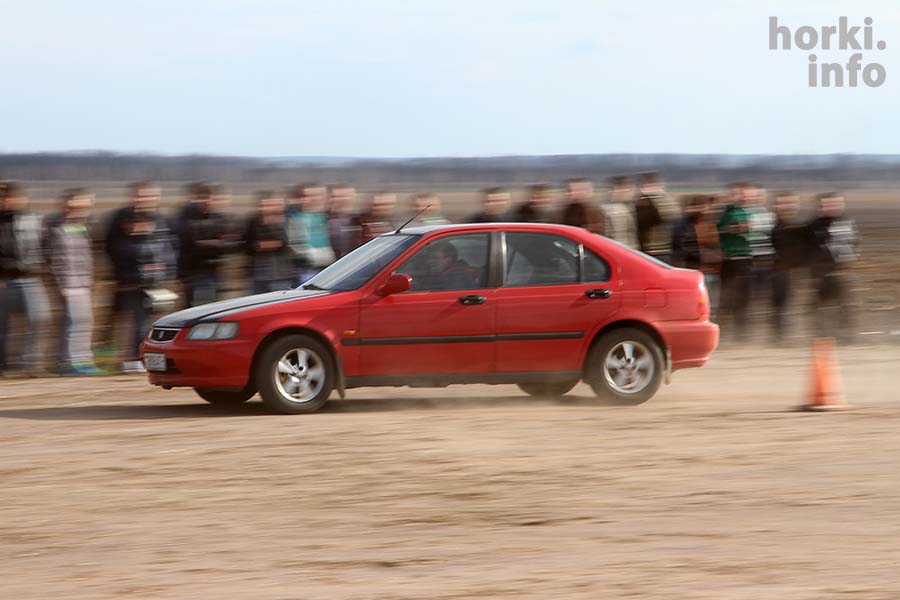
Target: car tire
625,366
548,389
295,374
226,397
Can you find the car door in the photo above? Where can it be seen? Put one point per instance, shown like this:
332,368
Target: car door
553,295
444,324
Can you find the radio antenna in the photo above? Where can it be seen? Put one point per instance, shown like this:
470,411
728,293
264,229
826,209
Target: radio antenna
412,218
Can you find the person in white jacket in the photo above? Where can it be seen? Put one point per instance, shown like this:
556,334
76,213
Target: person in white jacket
618,212
71,265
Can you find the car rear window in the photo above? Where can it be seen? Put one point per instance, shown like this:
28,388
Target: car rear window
594,268
641,254
540,259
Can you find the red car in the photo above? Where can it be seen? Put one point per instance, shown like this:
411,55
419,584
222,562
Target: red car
540,306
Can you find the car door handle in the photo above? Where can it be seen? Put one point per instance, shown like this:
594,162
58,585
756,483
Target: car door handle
595,294
474,299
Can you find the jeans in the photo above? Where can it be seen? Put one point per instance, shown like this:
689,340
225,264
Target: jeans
781,293
133,303
761,281
714,288
25,296
736,286
831,305
76,327
202,288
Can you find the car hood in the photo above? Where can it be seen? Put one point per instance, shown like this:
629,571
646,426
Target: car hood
216,310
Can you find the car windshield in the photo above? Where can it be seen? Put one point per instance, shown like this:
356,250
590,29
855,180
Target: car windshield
359,266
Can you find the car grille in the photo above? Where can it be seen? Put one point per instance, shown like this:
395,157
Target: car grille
163,334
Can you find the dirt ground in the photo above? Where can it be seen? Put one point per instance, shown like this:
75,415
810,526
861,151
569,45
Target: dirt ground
714,489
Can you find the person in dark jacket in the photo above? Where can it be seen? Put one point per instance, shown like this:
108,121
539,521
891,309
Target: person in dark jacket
790,249
710,251
271,263
685,244
655,214
494,207
70,260
21,289
834,241
446,271
580,209
203,242
140,247
343,224
537,208
197,193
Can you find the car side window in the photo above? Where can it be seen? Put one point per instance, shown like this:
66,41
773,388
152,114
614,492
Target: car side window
594,268
540,259
458,262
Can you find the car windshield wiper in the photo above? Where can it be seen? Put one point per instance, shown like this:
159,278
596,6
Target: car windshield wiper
312,286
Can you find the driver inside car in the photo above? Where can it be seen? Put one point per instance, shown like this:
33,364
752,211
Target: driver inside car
446,271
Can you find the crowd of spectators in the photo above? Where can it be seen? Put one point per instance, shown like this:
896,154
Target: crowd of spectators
749,244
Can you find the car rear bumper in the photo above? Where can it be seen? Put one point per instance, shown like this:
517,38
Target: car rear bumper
221,364
690,342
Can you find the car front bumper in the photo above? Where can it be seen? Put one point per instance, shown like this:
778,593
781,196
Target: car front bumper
222,364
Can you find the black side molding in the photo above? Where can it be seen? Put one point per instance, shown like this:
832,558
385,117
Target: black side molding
463,339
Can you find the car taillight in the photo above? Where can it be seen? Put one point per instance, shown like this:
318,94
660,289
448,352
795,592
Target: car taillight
703,298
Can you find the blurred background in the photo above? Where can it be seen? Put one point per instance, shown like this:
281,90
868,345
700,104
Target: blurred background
157,155
327,123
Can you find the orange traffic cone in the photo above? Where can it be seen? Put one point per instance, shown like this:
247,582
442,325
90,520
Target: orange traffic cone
825,394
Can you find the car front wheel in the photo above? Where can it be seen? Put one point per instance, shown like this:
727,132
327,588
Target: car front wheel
225,397
626,366
295,374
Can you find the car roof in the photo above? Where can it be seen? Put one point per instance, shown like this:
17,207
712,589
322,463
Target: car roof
548,227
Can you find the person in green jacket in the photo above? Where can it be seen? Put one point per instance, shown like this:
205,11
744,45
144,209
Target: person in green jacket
734,230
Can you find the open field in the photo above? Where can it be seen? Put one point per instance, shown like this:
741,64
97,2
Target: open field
713,489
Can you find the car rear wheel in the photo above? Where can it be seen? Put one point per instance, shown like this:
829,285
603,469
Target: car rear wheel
626,366
295,374
226,397
548,389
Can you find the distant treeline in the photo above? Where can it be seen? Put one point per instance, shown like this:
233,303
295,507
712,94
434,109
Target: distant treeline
685,170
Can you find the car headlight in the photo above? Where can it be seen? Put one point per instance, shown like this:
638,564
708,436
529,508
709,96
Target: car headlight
213,331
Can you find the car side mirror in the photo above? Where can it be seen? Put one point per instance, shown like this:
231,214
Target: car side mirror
397,283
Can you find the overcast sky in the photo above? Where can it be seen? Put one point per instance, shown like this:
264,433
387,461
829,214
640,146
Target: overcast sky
434,78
